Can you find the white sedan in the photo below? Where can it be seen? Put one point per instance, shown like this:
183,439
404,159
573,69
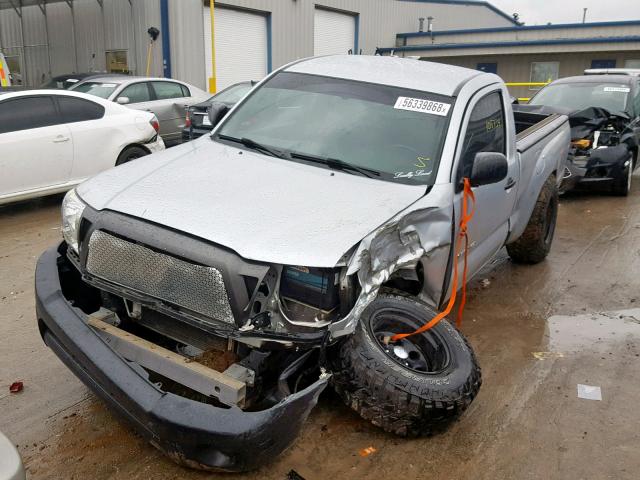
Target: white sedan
51,140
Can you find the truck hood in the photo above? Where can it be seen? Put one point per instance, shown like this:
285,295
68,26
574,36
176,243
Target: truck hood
264,208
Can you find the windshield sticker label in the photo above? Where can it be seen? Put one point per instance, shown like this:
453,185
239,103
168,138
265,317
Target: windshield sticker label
108,85
617,89
422,106
422,162
417,173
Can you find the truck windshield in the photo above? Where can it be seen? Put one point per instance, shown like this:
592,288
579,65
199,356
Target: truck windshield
578,96
380,131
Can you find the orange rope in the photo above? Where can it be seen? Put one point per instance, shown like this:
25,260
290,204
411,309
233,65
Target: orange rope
467,198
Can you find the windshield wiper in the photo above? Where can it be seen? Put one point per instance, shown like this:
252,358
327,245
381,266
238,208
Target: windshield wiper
252,144
335,164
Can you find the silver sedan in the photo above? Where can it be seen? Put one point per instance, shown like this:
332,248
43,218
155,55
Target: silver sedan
165,97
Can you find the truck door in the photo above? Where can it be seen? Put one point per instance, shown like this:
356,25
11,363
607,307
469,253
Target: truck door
487,128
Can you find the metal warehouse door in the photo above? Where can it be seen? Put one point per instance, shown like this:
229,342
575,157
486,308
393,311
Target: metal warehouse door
333,32
241,45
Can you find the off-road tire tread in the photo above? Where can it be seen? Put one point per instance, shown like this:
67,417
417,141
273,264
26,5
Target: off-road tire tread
530,248
374,396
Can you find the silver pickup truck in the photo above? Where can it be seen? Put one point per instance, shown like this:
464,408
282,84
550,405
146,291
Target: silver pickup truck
209,293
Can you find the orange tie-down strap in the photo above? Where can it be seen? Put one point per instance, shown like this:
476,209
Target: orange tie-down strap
468,209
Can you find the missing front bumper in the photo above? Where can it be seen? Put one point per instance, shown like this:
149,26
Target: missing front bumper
193,433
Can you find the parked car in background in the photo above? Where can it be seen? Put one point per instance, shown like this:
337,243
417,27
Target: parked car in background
51,140
197,122
604,113
68,80
167,98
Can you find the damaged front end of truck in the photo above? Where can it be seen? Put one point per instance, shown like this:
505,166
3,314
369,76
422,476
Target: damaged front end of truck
215,359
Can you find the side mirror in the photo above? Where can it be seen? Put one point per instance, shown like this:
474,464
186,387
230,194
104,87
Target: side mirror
515,101
216,112
488,167
123,100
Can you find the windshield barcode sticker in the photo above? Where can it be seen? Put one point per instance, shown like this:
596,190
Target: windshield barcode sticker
617,89
423,106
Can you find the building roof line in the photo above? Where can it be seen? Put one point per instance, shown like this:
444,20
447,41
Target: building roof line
523,28
511,43
477,3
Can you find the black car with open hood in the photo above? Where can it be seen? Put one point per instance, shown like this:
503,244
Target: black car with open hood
603,112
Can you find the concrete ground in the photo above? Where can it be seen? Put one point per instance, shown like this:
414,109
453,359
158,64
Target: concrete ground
536,330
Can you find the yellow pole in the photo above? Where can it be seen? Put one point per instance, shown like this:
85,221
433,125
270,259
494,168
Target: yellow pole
149,50
212,80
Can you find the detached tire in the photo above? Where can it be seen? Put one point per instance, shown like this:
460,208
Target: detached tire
131,153
412,387
534,244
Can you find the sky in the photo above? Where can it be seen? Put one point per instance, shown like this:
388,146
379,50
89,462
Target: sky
540,12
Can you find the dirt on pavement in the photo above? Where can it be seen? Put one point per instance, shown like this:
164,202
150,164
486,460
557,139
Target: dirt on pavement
535,330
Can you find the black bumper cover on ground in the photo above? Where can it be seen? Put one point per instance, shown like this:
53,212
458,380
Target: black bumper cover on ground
190,432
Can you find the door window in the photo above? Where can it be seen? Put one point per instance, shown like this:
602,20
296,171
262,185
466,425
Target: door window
117,61
544,72
603,64
485,132
167,90
26,113
137,93
487,67
78,110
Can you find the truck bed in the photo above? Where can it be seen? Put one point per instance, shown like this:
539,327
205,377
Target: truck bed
533,127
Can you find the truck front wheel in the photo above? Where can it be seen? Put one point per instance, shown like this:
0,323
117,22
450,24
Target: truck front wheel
412,387
535,243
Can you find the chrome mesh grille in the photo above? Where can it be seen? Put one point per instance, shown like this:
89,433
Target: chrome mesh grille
194,287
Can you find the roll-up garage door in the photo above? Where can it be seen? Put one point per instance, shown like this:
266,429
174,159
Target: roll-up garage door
241,45
333,32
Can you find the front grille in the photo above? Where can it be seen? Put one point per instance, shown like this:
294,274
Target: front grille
197,288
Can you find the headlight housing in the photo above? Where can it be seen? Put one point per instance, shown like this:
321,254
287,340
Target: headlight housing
72,208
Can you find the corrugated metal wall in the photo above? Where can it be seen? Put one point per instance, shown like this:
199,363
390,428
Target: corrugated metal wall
76,39
121,25
529,34
292,26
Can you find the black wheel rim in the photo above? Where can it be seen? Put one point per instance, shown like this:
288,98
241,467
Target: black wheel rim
424,353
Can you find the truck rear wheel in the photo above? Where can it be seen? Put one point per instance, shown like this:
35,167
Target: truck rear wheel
535,243
412,387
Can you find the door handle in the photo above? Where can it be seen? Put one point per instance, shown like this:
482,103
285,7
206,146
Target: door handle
60,139
510,183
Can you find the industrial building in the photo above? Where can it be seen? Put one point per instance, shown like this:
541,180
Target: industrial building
536,53
43,38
